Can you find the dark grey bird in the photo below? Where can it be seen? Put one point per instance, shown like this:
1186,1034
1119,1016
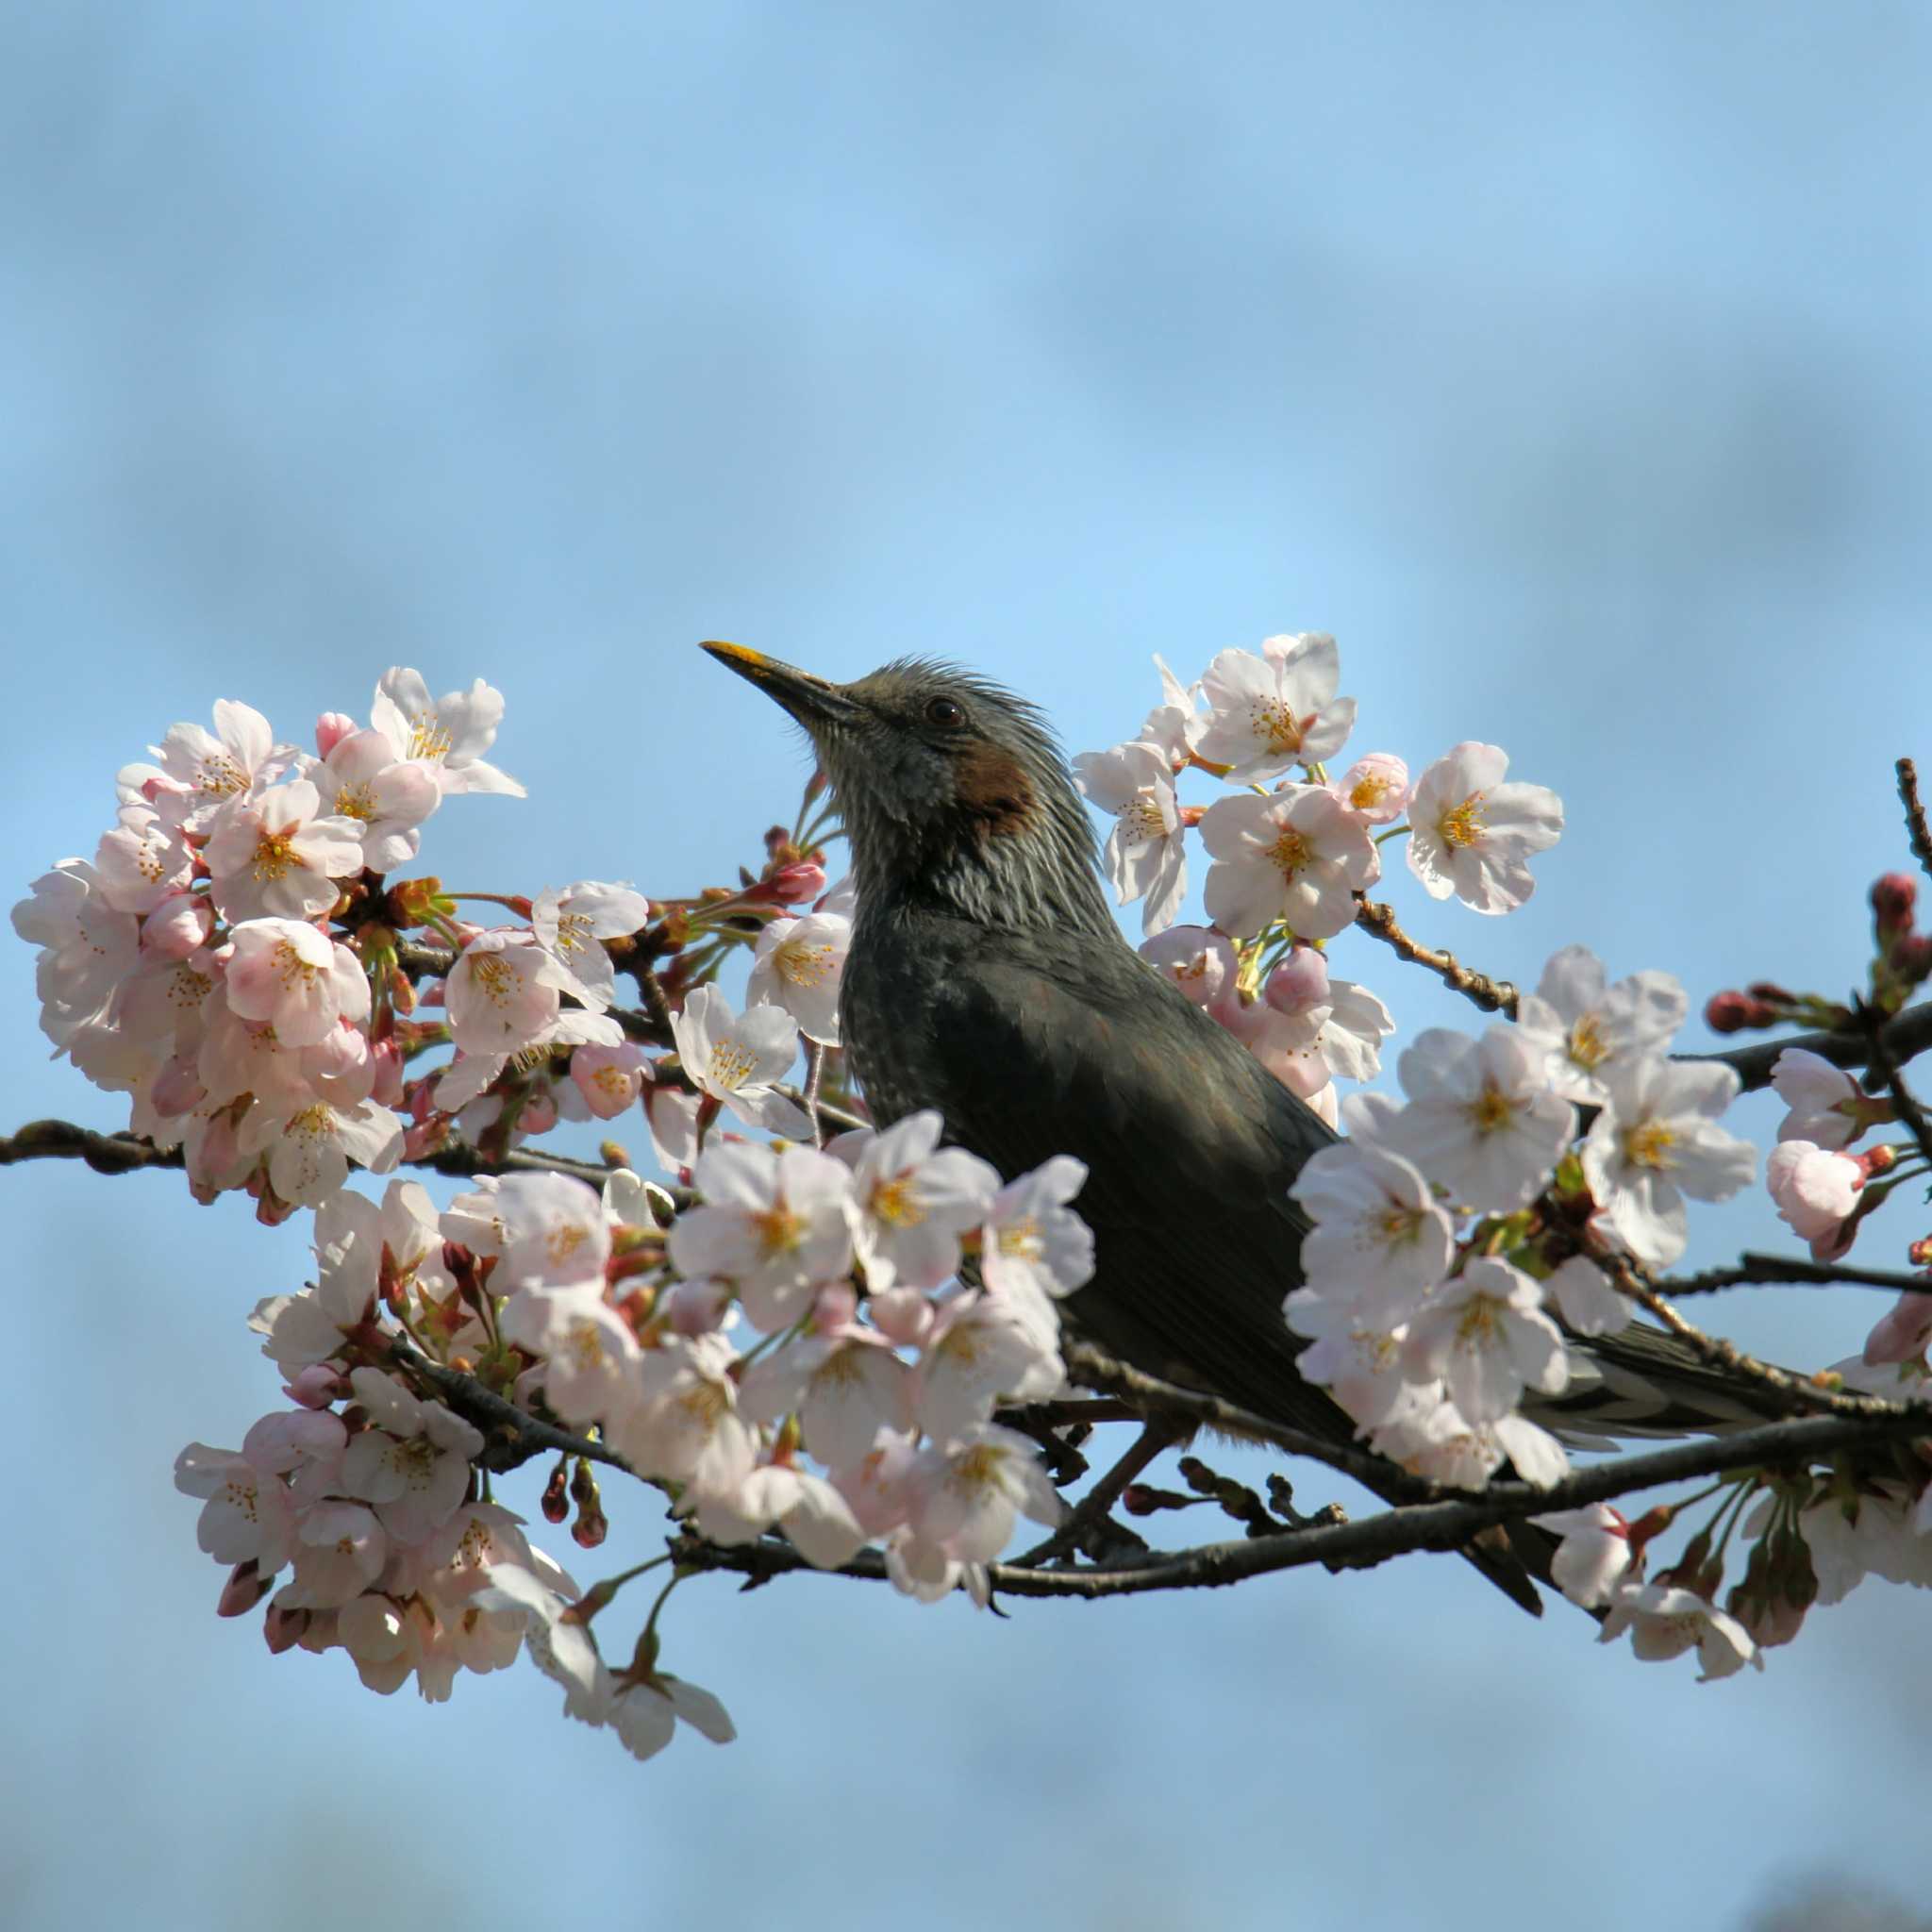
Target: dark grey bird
987,978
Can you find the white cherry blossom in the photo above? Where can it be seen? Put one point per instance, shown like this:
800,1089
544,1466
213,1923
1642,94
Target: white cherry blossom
1594,1555
915,1199
1267,713
1379,1236
1585,1025
846,1385
1656,1141
738,1058
1297,855
447,736
810,1511
1201,962
1146,850
1480,1121
1664,1620
967,1494
1586,1300
201,771
1471,834
981,1349
572,924
798,965
587,1352
1827,1106
1033,1246
142,861
1484,1336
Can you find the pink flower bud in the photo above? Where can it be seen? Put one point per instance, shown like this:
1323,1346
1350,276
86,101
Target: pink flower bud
539,1112
1893,898
836,1303
177,1089
244,1589
792,885
386,1057
178,926
314,1387
331,727
1300,982
902,1315
697,1306
284,1630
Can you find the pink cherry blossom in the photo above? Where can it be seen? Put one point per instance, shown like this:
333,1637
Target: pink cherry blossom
1375,788
1201,962
142,861
572,924
1484,1336
1379,1236
285,973
361,779
275,854
1594,1555
200,772
1827,1106
1816,1190
588,1354
609,1077
914,1199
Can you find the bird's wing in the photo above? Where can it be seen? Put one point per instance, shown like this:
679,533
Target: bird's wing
1191,1145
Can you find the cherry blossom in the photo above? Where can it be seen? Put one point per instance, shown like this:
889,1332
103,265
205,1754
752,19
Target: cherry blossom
1298,855
1665,1621
286,974
798,965
1375,788
503,992
361,779
810,1511
1586,1300
610,1078
142,861
570,925
274,855
915,1199
736,1059
777,1225
309,1143
551,1228
200,772
587,1350
1594,1555
1656,1141
1816,1190
1585,1025
414,1464
88,947
1267,713
846,1385
1379,1236
1479,1119
1357,1358
1032,1245
448,735
1485,1335
980,1349
248,1515
1827,1106
1472,835
1202,963
1172,725
966,1494
1146,850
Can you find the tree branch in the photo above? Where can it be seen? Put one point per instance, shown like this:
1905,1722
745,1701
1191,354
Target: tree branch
1491,996
1788,1270
1905,1039
1446,1524
1917,833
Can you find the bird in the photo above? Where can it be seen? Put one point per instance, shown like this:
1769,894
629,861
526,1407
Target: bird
987,978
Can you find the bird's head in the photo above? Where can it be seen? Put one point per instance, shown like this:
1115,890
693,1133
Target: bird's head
952,791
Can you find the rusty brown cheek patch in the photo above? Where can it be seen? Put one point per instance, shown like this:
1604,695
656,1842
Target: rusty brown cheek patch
993,789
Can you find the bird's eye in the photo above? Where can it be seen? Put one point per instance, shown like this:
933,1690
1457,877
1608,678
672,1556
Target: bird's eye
945,712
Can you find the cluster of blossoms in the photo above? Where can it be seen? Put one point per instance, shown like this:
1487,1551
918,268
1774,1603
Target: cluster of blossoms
794,1351
1293,850
191,965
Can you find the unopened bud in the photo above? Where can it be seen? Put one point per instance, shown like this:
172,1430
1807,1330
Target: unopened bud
1300,981
1920,1253
1911,958
556,1504
283,1630
330,729
590,1529
794,884
246,1587
315,1387
1733,1012
1136,1500
1880,1160
1893,899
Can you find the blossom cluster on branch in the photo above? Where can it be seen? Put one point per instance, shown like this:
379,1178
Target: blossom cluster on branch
804,1342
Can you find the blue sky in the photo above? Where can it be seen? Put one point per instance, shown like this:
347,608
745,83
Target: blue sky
1568,364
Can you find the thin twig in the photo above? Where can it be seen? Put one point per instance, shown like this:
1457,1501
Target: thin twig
1491,996
814,1067
1096,1369
1788,1270
1796,1390
1447,1524
1906,1038
1917,831
512,1435
1078,1532
1905,1102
